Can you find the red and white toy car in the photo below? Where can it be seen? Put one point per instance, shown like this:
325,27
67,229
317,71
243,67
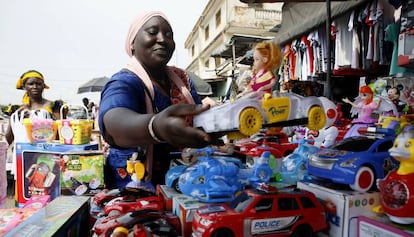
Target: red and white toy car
287,212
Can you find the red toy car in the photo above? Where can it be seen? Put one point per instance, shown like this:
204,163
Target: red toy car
287,212
279,141
106,225
100,199
122,205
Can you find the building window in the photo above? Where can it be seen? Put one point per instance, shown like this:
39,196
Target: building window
218,18
207,63
192,50
206,32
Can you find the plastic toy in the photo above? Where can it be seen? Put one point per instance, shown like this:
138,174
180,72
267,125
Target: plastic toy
122,205
396,189
158,227
102,198
287,212
104,226
294,166
247,115
173,174
364,106
355,161
40,178
217,179
279,141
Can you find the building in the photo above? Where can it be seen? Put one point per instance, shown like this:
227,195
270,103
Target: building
225,31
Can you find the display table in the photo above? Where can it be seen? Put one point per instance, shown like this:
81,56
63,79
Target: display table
64,216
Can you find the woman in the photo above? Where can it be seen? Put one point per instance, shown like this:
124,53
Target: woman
33,83
147,107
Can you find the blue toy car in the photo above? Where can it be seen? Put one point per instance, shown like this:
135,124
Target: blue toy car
294,166
218,179
355,161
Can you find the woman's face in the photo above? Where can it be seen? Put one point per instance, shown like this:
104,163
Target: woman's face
34,87
154,43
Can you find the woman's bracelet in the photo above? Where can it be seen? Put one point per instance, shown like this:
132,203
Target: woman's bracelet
151,130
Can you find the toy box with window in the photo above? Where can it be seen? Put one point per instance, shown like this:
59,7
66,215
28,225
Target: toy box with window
380,226
82,172
38,169
343,206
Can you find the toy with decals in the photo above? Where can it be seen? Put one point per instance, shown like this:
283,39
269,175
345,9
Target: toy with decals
397,188
122,205
294,166
355,161
103,197
218,178
40,178
173,174
247,115
275,159
104,226
280,212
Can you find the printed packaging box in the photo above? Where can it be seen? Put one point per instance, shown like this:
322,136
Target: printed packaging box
382,227
343,207
184,207
82,172
38,169
167,194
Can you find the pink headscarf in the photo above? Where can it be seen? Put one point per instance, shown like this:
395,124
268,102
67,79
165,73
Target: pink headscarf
136,24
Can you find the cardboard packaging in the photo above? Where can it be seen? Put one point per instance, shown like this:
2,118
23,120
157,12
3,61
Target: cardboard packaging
382,227
82,172
64,216
38,169
343,207
184,207
167,194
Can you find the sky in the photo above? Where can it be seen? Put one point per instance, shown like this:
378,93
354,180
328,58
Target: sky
71,42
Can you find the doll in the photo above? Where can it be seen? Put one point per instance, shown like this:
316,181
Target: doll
409,103
267,57
365,107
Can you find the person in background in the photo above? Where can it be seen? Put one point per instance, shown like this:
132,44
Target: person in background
147,107
33,83
267,56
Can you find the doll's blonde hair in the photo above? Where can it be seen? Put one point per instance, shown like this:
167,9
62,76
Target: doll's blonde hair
272,52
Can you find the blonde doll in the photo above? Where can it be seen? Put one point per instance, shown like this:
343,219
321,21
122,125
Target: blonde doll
267,57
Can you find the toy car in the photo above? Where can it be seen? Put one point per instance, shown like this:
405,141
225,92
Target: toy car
250,113
105,225
279,141
122,205
287,212
294,166
355,161
157,228
101,198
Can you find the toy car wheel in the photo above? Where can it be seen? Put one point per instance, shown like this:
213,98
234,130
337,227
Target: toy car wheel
250,121
176,186
302,230
364,179
222,233
316,118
